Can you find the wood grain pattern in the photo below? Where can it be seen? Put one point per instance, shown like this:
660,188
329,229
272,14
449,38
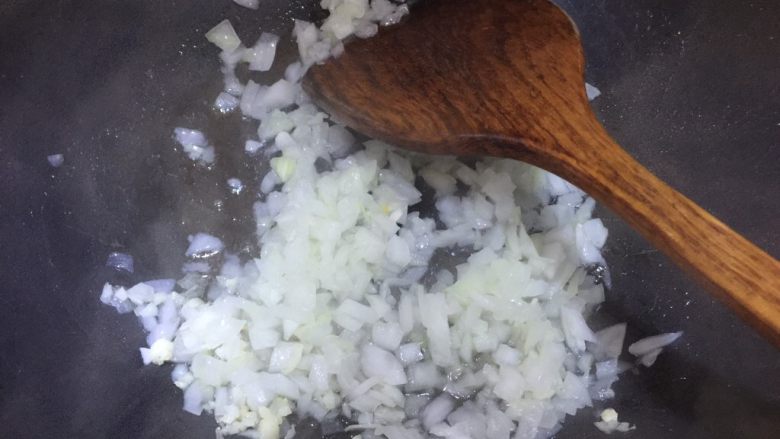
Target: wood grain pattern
504,78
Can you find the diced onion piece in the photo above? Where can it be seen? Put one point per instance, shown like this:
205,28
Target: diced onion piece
609,422
235,185
285,357
251,4
437,410
120,261
609,342
398,251
284,167
279,95
56,160
424,376
203,244
434,319
194,144
224,36
591,92
159,352
575,329
226,102
387,335
507,356
252,146
649,358
410,353
649,344
276,122
261,56
378,363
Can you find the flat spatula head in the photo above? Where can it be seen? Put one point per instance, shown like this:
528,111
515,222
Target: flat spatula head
457,73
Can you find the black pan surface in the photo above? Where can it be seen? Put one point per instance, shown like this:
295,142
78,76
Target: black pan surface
692,89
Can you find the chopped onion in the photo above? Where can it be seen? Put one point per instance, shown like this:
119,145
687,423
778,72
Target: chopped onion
159,352
410,353
56,160
251,4
235,185
285,357
380,364
195,145
344,311
507,356
120,261
609,422
434,319
424,376
226,102
279,95
437,410
203,244
162,285
609,342
649,344
649,358
284,167
575,329
591,92
224,36
261,56
252,146
140,293
387,335
276,122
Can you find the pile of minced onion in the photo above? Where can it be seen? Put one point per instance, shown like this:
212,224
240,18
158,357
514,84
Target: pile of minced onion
340,312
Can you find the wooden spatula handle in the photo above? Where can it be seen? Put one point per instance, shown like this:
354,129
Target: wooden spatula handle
737,271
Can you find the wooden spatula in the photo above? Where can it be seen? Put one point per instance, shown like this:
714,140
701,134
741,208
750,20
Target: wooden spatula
504,78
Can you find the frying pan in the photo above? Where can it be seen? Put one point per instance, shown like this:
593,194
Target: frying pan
690,88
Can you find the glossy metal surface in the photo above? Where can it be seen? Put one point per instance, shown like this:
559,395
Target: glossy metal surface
690,89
